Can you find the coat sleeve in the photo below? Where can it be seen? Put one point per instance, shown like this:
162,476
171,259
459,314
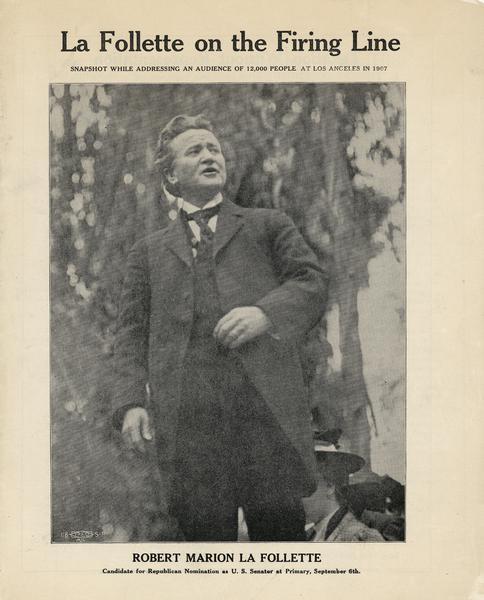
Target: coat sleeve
370,535
299,302
132,336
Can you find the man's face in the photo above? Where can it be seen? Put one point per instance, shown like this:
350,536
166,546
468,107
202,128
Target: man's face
319,505
198,167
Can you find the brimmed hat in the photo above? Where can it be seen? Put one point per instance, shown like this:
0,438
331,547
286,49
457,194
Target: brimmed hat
328,449
379,492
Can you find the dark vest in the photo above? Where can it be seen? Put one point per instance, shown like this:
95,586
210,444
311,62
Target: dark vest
207,311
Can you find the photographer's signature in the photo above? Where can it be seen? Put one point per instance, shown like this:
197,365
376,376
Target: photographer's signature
81,535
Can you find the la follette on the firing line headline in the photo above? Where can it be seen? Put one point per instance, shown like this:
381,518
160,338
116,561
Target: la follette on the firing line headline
284,40
226,557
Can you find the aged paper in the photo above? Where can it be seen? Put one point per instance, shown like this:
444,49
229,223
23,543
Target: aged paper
438,62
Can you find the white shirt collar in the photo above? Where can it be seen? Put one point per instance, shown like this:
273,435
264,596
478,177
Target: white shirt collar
190,208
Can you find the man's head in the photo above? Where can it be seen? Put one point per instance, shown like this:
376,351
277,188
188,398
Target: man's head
191,159
332,477
334,467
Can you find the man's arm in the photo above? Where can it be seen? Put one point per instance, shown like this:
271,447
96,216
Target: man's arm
290,310
131,344
299,302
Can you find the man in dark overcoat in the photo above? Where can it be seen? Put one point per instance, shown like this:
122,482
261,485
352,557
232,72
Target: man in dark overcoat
206,355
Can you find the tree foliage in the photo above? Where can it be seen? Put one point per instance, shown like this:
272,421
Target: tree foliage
331,156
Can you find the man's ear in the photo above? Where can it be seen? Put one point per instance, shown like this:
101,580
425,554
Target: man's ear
331,490
169,176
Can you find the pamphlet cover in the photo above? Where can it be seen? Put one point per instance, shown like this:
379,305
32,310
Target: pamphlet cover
242,299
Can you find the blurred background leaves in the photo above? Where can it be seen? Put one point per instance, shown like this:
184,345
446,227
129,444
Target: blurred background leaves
331,156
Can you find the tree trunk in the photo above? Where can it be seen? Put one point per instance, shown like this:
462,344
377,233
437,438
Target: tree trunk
350,273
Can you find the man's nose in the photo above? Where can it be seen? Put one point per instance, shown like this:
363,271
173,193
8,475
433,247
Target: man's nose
206,155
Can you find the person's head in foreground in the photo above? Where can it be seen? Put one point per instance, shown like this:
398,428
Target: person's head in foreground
333,471
327,510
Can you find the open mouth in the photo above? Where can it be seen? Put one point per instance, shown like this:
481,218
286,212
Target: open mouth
210,171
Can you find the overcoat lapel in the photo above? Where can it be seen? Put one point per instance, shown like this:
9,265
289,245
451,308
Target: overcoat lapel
230,220
176,240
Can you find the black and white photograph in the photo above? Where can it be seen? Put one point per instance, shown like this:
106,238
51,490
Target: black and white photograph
228,312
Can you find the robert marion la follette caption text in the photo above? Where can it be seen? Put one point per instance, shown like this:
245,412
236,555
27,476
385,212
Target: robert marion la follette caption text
274,559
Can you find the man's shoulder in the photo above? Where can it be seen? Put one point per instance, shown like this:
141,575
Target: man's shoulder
352,529
259,212
264,216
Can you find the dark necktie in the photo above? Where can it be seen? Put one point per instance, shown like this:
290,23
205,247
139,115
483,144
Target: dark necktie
201,218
